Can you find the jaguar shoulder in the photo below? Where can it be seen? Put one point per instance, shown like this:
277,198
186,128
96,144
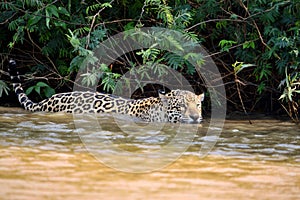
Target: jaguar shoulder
175,106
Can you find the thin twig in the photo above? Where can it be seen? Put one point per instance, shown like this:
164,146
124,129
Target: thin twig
6,21
230,48
142,12
92,25
214,20
48,58
241,99
256,27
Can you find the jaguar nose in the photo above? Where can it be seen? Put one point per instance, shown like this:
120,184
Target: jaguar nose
194,117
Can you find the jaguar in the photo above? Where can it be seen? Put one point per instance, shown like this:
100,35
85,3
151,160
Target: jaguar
175,106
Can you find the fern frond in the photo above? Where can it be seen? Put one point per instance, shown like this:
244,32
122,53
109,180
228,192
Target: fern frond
3,88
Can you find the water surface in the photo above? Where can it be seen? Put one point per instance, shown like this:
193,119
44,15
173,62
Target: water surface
43,157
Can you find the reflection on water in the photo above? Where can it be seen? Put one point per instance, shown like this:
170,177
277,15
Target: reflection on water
42,157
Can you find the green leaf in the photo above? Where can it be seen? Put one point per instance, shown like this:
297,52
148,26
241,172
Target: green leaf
106,5
38,90
174,43
249,44
29,90
93,7
41,87
239,66
233,16
52,9
261,87
283,96
290,93
265,72
47,19
60,24
32,21
75,42
226,44
63,11
297,91
42,84
48,91
221,24
3,88
108,84
129,26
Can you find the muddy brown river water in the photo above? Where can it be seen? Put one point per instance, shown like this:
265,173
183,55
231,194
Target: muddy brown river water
42,156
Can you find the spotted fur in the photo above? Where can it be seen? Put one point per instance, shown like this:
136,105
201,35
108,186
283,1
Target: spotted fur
175,106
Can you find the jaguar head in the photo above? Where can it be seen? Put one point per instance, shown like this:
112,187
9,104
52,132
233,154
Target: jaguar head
182,106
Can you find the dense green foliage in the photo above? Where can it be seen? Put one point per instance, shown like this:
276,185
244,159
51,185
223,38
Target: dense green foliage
254,43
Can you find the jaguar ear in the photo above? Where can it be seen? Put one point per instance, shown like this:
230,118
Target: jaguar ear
161,92
163,97
201,97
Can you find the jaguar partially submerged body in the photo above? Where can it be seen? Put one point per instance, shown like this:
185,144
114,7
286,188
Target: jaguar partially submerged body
175,106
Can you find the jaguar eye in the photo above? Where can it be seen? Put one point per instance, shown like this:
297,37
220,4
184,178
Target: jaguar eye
183,106
180,103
